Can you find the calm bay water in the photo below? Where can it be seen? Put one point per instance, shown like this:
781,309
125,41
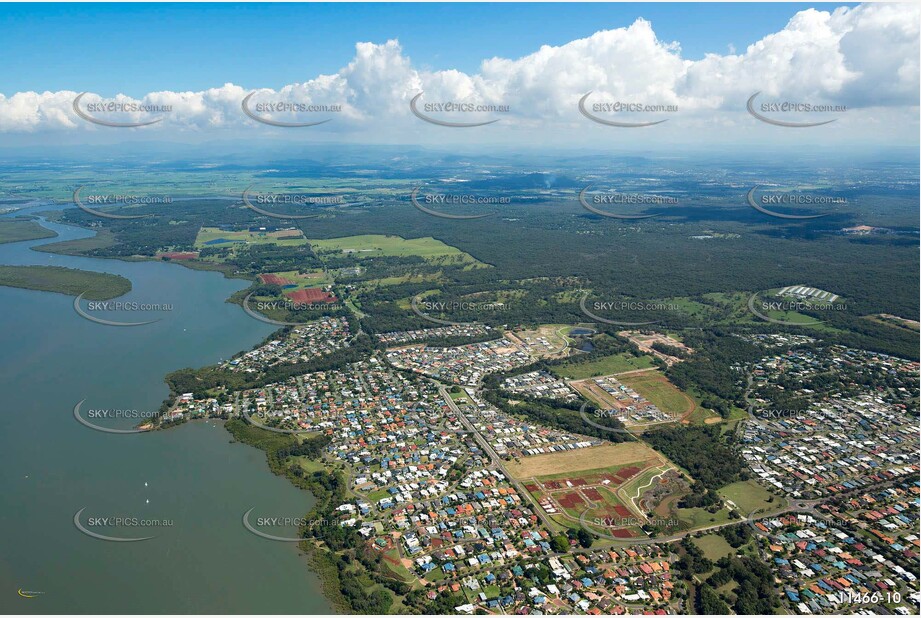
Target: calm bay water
192,476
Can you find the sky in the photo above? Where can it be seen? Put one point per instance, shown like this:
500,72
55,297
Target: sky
137,48
196,62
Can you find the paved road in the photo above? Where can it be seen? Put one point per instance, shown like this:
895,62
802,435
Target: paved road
497,462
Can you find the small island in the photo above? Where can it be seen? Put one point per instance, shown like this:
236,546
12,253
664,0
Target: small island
71,281
18,230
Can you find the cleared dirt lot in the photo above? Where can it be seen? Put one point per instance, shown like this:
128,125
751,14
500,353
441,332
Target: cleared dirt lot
584,459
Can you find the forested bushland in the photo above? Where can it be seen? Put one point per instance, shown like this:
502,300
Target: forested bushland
701,451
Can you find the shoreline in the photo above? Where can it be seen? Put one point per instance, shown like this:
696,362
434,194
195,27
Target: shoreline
319,559
314,562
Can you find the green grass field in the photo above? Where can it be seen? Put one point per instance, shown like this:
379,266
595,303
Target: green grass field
400,279
607,365
71,281
307,279
700,518
750,496
377,245
285,238
17,230
703,416
308,465
714,546
656,388
692,307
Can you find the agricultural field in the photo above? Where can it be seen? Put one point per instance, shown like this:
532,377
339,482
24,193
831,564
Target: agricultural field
378,245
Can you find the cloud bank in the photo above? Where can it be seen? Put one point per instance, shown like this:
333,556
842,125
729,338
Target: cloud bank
863,58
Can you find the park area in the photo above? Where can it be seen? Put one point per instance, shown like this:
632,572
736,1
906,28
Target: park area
594,486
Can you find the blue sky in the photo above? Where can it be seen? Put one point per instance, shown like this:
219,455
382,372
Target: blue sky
185,71
138,48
